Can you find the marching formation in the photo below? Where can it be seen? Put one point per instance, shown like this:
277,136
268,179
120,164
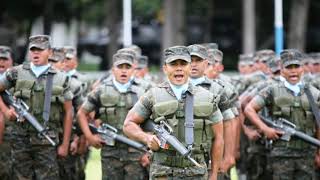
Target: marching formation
192,122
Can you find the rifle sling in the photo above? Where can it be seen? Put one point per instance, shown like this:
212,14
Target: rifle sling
314,107
189,124
47,98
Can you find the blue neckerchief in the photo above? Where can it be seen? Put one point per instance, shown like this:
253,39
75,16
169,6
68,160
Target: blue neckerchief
196,81
122,88
38,70
282,78
295,88
71,72
179,90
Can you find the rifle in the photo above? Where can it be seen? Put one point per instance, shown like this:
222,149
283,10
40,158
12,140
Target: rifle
289,130
164,132
110,136
21,108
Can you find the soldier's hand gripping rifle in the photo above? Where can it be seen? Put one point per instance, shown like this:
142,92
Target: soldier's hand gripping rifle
289,130
164,133
21,108
110,136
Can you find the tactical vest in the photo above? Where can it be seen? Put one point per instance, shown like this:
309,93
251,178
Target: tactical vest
296,109
32,90
114,106
172,110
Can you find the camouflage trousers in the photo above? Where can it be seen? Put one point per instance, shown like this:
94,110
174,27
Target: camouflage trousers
5,161
72,167
31,161
291,164
161,172
121,163
257,162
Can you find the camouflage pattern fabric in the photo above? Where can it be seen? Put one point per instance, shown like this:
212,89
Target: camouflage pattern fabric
161,172
121,162
34,161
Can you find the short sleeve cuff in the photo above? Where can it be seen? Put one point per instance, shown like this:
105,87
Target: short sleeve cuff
259,101
217,117
228,115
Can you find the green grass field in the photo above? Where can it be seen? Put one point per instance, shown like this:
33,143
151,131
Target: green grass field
93,168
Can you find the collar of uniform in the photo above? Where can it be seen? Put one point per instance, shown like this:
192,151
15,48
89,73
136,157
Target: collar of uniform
52,70
206,81
166,85
108,82
136,81
26,65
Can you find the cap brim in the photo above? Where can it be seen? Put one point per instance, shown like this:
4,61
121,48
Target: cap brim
70,56
198,55
5,55
275,69
292,62
43,47
117,63
177,57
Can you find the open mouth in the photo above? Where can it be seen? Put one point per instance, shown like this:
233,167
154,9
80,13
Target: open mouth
294,77
123,76
179,77
2,66
193,70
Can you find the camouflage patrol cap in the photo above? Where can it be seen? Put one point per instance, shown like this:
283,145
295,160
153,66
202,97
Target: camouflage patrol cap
307,59
5,52
315,58
143,61
215,55
70,52
210,45
290,56
264,55
198,50
129,51
58,54
274,64
136,49
40,42
122,58
246,59
176,52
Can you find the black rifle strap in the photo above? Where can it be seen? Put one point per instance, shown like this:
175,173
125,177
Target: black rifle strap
314,107
47,98
189,124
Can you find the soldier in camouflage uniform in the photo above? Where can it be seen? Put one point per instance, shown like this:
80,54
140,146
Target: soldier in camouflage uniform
315,69
6,138
199,62
245,64
71,167
256,146
261,74
167,101
33,156
287,99
112,100
142,70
